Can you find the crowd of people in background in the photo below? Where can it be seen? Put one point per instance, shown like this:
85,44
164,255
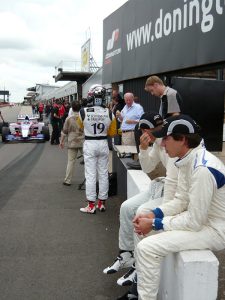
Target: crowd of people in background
185,208
56,111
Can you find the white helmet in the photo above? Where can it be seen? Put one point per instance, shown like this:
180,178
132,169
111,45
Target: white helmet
96,95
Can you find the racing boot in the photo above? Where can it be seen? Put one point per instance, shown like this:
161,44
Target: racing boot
132,293
124,260
128,296
101,205
128,278
89,209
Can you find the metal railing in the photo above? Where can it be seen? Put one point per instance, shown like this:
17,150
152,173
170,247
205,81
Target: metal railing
74,66
68,66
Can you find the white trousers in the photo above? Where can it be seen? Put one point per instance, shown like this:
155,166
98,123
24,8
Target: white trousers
130,207
150,251
72,155
96,159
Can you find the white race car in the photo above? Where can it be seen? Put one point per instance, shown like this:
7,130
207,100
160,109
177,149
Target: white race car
27,128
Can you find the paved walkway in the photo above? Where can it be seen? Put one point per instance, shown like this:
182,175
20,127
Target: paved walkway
100,229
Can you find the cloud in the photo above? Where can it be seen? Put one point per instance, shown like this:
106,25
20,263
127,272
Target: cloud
15,43
13,28
35,35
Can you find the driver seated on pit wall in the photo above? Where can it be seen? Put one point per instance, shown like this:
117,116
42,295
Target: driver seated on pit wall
98,122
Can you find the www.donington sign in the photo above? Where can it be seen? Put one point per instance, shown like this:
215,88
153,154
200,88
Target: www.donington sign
152,36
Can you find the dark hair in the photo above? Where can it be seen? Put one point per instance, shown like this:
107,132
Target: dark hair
192,139
84,102
75,106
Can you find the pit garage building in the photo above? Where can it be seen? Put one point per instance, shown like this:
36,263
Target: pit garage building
182,41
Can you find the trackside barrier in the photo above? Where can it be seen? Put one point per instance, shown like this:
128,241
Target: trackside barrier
186,275
137,182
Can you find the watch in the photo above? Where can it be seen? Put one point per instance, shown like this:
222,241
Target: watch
153,224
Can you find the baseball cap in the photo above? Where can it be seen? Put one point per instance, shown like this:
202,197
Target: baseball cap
150,120
181,124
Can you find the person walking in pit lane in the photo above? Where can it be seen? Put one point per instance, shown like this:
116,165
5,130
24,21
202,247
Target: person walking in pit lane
98,122
41,110
55,124
1,117
75,139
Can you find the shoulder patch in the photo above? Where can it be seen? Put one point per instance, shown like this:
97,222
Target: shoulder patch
91,109
219,177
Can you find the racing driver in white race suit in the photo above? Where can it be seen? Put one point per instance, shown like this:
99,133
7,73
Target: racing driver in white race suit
98,122
194,219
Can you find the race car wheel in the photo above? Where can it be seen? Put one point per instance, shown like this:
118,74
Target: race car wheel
5,133
45,132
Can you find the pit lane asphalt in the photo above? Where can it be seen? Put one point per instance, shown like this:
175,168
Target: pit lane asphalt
48,249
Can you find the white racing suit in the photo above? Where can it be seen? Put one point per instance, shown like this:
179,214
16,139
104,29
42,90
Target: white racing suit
129,209
194,219
160,188
98,122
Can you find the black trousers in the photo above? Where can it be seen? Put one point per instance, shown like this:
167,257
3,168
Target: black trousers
55,133
137,135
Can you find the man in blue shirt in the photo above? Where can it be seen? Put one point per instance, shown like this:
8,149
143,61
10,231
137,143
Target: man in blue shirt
129,117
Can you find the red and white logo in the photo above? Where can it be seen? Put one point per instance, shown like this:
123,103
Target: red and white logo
111,51
114,38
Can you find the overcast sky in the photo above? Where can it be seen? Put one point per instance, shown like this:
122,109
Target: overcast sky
35,35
